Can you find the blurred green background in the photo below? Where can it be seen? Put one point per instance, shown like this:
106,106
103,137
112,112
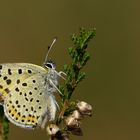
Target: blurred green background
112,83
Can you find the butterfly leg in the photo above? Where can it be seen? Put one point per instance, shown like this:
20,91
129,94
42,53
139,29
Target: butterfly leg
51,82
60,74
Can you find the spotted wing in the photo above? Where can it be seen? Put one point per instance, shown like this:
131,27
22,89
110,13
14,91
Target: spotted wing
14,73
26,99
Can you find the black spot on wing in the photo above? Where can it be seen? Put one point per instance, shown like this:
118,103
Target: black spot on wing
22,120
0,67
26,99
40,93
38,117
12,115
8,81
32,109
23,116
10,102
9,72
37,101
17,89
16,102
29,71
39,107
35,88
19,71
19,113
31,99
18,106
5,77
18,81
24,84
7,90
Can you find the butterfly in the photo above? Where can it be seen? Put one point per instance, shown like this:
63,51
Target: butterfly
27,93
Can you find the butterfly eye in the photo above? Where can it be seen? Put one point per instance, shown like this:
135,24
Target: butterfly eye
50,65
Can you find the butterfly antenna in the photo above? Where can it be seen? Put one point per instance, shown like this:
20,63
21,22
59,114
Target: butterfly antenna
49,49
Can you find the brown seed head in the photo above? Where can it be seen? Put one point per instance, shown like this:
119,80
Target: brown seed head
84,108
52,129
76,114
71,122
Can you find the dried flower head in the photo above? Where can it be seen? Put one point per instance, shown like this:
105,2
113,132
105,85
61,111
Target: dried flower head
76,114
71,122
52,129
84,108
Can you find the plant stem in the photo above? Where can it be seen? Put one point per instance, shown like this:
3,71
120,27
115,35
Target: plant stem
52,138
65,105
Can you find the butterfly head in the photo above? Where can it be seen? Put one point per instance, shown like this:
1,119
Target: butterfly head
50,64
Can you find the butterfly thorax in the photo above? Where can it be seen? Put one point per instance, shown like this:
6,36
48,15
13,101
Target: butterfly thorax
52,80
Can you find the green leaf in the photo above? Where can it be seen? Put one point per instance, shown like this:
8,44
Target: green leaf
85,59
81,76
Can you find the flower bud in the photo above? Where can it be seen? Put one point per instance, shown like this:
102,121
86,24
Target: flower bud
52,129
71,122
84,108
76,114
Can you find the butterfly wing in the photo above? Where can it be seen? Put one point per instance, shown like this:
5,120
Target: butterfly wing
13,74
27,103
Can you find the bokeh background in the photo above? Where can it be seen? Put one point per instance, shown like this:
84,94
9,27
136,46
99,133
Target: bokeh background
113,72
